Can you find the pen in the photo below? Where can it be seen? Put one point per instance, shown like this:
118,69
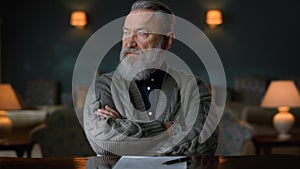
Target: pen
178,160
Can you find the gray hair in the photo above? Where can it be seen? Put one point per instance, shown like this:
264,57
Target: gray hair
156,6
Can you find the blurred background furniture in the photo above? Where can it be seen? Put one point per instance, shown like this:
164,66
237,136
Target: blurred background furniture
8,101
62,135
283,95
19,138
244,105
249,90
41,92
266,143
234,137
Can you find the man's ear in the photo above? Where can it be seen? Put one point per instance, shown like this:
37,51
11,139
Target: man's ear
169,41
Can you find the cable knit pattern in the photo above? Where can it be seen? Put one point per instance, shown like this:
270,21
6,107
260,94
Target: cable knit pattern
112,134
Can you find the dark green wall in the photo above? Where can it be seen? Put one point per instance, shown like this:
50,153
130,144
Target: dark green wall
257,38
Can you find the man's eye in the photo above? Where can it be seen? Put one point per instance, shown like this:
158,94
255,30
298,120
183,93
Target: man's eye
142,34
126,33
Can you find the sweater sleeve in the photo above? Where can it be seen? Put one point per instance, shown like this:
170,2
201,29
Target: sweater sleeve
109,128
190,144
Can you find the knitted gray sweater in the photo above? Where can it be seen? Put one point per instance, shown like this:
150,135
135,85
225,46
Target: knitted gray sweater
185,100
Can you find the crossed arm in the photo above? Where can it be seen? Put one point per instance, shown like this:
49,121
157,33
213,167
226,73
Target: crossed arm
102,114
107,112
102,120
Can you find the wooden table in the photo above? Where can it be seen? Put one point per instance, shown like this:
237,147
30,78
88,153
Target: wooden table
267,142
234,162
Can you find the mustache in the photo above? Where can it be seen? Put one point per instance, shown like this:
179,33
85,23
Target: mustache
125,51
130,50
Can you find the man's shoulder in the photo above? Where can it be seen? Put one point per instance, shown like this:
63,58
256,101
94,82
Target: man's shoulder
185,77
105,76
104,80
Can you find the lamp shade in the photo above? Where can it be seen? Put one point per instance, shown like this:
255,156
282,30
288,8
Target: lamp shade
78,19
214,17
281,93
8,98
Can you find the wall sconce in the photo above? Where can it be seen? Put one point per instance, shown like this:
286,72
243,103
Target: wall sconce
213,18
78,19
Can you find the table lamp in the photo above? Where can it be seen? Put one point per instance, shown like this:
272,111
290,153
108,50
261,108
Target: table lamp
282,94
8,101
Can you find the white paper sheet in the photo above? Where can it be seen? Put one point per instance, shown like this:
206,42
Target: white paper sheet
148,162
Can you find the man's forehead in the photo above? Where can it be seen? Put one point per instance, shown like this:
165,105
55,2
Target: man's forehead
137,19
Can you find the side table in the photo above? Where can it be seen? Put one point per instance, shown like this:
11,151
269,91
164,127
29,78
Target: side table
25,122
19,146
267,142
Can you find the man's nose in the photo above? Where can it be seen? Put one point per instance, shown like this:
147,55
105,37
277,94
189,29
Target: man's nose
130,41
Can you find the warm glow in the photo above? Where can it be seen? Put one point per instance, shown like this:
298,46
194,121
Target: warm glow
78,19
283,121
214,18
281,93
222,160
5,123
8,98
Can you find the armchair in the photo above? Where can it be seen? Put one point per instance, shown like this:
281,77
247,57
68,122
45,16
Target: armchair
40,92
62,136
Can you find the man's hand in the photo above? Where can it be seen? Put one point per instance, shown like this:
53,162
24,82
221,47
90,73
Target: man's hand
108,112
168,126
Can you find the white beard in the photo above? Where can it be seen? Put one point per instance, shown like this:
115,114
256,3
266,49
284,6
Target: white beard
140,67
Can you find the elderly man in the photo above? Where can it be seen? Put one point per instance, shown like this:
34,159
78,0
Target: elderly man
145,107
